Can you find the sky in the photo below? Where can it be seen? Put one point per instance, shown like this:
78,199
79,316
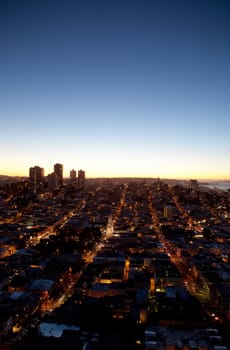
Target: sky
137,88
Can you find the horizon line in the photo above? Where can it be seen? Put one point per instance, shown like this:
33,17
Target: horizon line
131,177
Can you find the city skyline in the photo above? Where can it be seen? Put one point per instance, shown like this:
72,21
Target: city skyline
118,88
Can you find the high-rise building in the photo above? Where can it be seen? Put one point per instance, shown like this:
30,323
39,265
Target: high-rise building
193,185
81,178
73,175
52,181
58,170
36,175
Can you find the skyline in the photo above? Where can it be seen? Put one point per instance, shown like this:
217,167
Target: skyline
118,88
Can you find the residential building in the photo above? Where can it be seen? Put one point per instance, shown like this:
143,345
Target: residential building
58,169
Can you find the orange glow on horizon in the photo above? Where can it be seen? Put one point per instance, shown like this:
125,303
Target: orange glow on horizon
106,174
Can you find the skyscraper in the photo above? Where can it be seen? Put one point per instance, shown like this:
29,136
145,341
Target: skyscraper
36,175
52,181
81,178
73,175
193,184
58,170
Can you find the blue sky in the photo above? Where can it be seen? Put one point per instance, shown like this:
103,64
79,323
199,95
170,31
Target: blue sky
117,88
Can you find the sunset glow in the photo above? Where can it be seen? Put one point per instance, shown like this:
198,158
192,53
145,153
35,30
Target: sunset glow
118,91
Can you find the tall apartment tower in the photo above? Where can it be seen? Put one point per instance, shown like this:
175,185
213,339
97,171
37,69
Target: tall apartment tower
73,175
36,175
58,170
52,181
81,178
193,185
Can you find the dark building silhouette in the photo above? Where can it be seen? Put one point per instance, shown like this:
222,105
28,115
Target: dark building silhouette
73,175
36,175
81,178
52,180
58,170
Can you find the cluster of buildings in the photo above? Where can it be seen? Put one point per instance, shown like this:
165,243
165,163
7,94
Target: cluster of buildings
55,179
119,264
